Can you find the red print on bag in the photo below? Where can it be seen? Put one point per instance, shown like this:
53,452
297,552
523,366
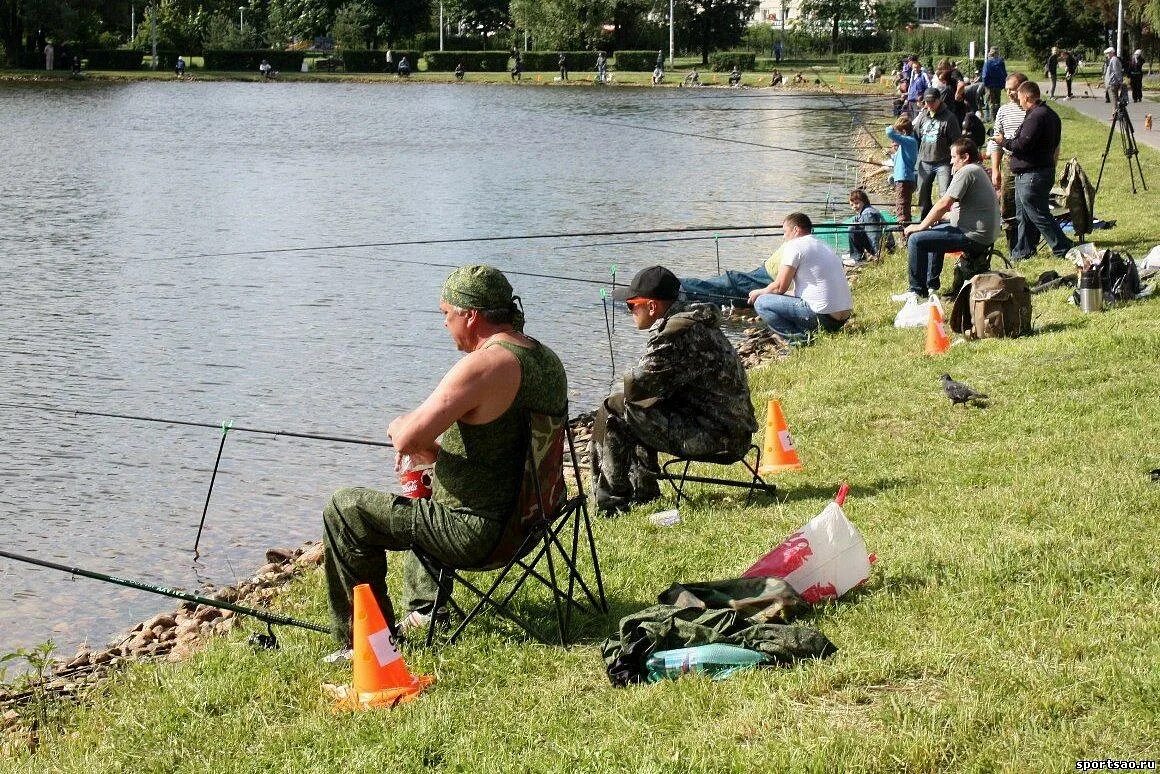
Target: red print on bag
783,560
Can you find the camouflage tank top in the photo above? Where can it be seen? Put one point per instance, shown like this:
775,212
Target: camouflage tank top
479,467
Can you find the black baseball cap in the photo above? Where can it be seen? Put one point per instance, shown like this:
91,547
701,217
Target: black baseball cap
655,282
931,94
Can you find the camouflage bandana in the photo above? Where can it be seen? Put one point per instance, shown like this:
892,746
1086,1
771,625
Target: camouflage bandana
477,287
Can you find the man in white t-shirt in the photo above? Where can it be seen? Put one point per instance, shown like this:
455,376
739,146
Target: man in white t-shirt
820,296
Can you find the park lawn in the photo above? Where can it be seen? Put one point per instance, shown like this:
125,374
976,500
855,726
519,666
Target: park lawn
1012,621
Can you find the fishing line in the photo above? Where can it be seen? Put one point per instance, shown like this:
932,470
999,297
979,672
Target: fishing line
236,428
733,140
784,201
261,615
463,240
822,228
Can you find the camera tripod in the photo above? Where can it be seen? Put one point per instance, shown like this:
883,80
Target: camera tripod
1121,119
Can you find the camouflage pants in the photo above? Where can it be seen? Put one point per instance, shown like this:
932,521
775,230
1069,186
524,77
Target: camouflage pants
361,525
624,445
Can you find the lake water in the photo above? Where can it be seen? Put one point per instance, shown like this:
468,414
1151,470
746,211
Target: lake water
106,186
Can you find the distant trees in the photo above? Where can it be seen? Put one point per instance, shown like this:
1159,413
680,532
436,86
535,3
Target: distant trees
836,14
713,24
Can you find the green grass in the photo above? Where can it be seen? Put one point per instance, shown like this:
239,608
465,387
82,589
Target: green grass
1011,622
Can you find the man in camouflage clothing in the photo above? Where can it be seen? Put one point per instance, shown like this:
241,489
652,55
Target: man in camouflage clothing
688,395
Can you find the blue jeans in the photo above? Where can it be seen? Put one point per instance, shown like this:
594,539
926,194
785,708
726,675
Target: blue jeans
860,242
791,318
1033,215
925,251
928,173
732,287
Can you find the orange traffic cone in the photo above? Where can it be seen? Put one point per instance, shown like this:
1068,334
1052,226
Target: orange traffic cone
381,679
779,453
937,341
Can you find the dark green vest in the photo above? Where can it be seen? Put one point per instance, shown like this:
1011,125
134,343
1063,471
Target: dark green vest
479,467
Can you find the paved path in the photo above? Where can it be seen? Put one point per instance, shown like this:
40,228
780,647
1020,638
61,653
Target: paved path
1095,107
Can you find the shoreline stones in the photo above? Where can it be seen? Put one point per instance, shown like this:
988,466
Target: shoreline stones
173,635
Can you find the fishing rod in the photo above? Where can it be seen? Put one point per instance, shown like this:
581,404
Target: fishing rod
784,201
750,143
164,421
463,240
835,228
261,615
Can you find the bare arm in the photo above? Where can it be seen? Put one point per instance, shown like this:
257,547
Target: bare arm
477,389
940,208
780,284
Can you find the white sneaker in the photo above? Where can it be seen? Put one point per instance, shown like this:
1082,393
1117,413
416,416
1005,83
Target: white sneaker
904,297
851,261
414,622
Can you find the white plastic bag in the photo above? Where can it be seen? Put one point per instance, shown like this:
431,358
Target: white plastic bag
912,314
823,560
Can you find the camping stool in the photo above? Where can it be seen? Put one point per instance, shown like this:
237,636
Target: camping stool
755,483
971,262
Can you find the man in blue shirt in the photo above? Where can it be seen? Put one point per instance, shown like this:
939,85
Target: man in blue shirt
994,76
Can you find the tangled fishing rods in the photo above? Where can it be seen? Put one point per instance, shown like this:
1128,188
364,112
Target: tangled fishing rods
270,619
225,427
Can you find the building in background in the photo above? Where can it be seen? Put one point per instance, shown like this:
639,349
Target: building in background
779,12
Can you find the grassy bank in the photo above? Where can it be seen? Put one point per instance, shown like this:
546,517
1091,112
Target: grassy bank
1011,622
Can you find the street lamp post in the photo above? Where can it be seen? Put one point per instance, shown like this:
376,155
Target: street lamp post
241,18
987,30
440,25
1120,30
671,38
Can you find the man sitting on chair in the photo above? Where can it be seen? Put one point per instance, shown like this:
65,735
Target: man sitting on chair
480,409
688,395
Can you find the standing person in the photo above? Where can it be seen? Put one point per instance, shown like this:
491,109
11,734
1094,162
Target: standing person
687,395
905,161
948,84
820,297
974,220
994,76
1051,68
179,68
518,67
778,50
1034,150
473,428
1113,76
864,237
1007,123
601,67
936,128
48,56
563,64
918,85
1136,75
1070,65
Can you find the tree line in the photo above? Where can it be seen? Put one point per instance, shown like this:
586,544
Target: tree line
701,26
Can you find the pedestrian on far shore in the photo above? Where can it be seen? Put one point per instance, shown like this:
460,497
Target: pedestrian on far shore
1136,75
1070,65
1051,68
563,65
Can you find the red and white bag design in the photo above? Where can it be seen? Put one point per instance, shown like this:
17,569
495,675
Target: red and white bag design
823,560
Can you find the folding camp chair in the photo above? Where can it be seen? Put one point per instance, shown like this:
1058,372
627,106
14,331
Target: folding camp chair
754,484
542,541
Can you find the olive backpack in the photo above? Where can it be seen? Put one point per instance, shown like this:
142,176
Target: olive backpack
995,304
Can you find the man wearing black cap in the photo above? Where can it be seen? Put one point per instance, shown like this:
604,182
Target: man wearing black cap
936,128
687,395
478,413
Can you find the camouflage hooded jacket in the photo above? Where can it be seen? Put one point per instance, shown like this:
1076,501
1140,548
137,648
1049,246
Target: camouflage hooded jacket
691,372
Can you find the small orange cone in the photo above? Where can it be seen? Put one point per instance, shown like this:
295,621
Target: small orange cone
381,679
937,341
779,453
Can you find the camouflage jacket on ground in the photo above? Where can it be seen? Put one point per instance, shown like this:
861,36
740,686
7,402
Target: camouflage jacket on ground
690,371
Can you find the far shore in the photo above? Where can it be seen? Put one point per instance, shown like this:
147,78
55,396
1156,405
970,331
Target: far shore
819,80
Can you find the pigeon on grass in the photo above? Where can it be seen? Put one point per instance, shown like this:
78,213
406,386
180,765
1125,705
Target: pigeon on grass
961,393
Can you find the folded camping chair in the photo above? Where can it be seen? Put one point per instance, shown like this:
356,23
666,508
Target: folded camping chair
754,483
542,542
